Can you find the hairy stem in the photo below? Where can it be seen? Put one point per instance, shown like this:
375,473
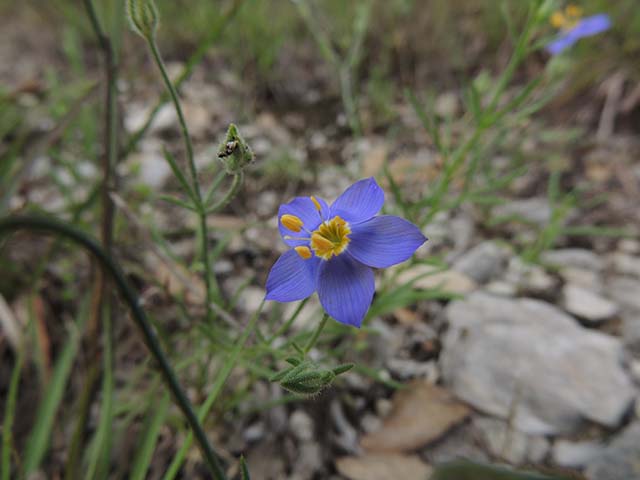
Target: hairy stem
209,279
316,334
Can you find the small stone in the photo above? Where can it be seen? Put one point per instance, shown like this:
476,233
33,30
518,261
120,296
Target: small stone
509,444
626,264
499,287
571,454
427,277
625,291
483,262
529,278
533,210
628,245
619,460
582,277
586,304
301,425
573,257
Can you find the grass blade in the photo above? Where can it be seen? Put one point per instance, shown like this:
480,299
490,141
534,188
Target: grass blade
38,442
155,419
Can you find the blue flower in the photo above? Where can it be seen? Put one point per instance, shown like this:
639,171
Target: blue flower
334,249
585,27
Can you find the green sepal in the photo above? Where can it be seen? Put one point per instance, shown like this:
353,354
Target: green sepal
234,153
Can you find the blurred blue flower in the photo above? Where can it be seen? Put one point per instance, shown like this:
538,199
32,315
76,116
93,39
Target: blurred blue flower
334,249
585,27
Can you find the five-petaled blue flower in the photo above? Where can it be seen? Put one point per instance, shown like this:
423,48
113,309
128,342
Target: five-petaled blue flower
335,248
574,30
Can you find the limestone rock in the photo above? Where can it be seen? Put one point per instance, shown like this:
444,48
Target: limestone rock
527,356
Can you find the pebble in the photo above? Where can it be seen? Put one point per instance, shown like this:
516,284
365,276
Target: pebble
570,454
301,425
588,305
484,262
619,460
509,444
573,257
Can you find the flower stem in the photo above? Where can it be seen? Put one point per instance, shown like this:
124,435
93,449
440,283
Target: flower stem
316,334
110,266
209,279
233,190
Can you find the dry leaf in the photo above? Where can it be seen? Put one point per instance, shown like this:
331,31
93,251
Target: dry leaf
383,467
421,414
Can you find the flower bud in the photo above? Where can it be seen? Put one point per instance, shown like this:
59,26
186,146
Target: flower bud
143,17
234,152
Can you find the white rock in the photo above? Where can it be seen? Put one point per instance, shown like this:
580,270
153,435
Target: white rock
503,355
301,425
619,460
534,210
584,303
511,445
573,257
484,262
626,264
570,454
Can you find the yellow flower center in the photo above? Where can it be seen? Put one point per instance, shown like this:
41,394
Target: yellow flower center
567,19
330,238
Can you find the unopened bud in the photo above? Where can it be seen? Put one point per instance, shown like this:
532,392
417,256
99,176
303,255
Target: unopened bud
143,17
234,152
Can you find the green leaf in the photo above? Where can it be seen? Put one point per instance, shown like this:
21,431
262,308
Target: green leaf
180,176
40,436
9,415
178,202
156,416
244,471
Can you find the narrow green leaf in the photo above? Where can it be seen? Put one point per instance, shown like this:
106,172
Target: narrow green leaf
178,202
9,415
244,471
155,418
40,436
180,176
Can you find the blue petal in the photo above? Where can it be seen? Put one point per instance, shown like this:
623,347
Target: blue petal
592,25
345,288
384,241
359,202
586,27
292,278
561,43
305,210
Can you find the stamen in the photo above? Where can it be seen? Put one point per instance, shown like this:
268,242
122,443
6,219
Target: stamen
304,252
291,222
318,206
316,203
558,20
321,243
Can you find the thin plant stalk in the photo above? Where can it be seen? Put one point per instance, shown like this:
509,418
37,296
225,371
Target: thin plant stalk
316,334
209,279
49,225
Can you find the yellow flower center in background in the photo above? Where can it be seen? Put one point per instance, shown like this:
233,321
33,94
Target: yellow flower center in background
330,238
567,19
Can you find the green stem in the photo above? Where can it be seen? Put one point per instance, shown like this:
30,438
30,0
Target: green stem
11,224
218,383
232,192
287,325
316,334
209,279
194,60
